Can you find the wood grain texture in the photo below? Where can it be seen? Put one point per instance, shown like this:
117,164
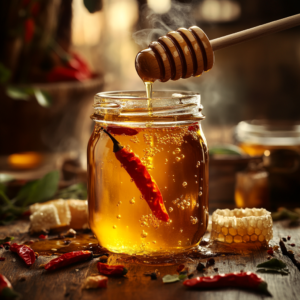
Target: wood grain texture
35,283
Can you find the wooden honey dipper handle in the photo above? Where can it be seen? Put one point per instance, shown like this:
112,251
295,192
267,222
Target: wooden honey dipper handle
255,32
188,52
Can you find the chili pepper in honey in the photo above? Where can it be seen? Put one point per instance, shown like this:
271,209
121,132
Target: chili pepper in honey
69,258
119,130
142,179
243,280
6,290
113,270
25,252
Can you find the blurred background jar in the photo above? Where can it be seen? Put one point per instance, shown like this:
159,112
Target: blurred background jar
275,181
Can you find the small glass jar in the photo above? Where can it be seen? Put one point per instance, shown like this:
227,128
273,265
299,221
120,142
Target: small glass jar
166,135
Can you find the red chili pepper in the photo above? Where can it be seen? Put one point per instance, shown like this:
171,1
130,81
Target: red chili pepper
243,280
65,74
6,243
118,130
2,258
25,252
43,237
270,252
29,30
113,270
194,127
68,259
142,179
6,291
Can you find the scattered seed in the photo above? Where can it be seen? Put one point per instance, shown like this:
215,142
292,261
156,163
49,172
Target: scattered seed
284,239
200,267
153,276
216,269
210,262
289,237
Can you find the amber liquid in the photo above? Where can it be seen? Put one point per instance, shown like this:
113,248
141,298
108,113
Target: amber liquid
257,150
177,159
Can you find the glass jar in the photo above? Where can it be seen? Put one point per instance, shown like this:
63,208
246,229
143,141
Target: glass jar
257,136
165,136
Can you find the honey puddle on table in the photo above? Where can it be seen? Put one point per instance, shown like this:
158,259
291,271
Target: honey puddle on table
84,241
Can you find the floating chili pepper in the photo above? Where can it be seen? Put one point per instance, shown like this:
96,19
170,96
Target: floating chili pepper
142,179
243,280
69,258
6,290
194,127
25,252
113,270
119,130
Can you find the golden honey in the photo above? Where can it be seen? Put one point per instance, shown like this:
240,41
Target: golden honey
175,153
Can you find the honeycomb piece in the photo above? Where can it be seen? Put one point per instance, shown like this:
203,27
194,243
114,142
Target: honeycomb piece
242,226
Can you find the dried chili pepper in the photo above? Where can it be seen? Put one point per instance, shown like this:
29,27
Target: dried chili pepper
243,280
2,258
69,258
142,179
6,290
113,270
43,237
119,130
270,252
25,252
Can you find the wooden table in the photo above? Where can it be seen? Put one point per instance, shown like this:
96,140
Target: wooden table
35,283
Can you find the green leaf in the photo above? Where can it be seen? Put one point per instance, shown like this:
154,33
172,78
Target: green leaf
5,74
170,278
273,265
75,191
7,239
39,190
43,98
285,214
93,5
182,276
19,93
226,149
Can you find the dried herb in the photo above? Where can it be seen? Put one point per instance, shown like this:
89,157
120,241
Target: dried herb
170,278
284,213
273,265
7,239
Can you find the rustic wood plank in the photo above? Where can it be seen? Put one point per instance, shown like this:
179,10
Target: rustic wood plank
35,283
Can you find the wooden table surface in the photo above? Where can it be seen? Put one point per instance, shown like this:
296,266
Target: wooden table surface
35,283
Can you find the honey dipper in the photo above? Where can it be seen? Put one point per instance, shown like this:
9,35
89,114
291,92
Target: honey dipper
188,52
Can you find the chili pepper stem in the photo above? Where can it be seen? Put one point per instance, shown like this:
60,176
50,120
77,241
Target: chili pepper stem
117,145
263,287
8,293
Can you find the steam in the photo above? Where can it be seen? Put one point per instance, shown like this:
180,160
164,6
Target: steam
179,15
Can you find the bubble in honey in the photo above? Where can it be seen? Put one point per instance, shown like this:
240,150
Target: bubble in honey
154,242
177,150
114,227
174,180
194,220
177,159
178,205
184,201
166,160
131,180
119,217
132,201
198,164
195,175
196,181
182,156
200,194
179,243
144,234
197,205
181,230
182,207
170,209
184,184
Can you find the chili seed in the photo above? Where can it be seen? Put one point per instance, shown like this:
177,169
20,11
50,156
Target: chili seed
210,262
153,276
293,245
22,279
284,239
289,237
6,247
216,269
190,275
269,257
67,242
180,268
200,267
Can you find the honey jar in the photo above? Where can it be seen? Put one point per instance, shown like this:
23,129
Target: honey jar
148,172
